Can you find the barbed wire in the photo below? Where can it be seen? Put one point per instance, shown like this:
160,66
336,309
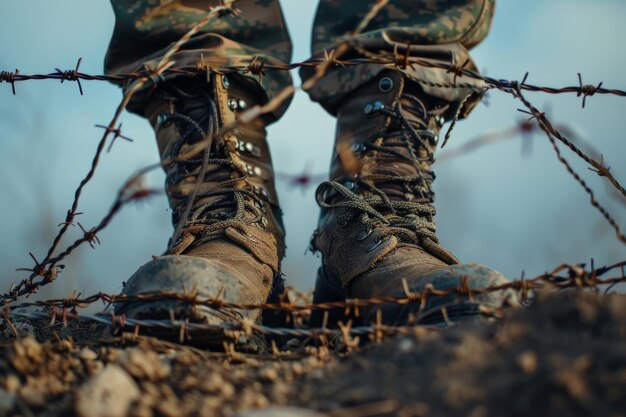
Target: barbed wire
259,68
45,271
62,311
576,276
245,326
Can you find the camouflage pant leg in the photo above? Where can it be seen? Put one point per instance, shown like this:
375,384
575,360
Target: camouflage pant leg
145,29
437,30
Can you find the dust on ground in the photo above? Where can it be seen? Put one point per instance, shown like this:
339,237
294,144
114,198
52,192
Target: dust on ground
565,355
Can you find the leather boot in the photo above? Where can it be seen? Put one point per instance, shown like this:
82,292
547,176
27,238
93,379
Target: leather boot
376,231
231,239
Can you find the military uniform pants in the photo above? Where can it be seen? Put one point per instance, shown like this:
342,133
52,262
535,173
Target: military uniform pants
438,30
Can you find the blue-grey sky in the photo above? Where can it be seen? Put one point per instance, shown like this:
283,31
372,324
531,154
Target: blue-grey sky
498,206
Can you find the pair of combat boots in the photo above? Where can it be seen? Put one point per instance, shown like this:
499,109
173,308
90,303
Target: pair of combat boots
376,231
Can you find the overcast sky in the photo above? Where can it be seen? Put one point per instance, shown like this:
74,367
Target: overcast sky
507,206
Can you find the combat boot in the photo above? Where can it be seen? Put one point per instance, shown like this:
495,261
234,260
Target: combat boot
229,238
376,231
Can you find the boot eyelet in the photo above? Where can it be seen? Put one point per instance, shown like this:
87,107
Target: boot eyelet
373,108
374,245
253,170
350,185
260,206
357,147
232,104
163,119
385,84
225,82
242,104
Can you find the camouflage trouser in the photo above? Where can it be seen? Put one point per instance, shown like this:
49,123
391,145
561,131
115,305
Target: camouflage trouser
438,30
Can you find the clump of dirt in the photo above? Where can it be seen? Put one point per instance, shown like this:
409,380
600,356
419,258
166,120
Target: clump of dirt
565,355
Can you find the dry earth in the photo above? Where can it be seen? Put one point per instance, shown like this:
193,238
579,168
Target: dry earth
564,356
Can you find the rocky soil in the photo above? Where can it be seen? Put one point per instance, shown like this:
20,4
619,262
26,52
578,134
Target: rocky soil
565,355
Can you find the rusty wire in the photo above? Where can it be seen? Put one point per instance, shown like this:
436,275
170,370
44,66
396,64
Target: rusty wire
243,326
65,310
45,271
563,277
258,67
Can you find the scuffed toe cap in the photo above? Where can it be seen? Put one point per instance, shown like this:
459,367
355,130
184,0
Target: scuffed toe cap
456,306
184,275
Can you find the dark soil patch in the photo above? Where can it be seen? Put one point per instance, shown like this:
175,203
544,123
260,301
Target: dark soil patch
566,355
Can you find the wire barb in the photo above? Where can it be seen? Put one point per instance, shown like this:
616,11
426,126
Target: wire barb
587,90
72,75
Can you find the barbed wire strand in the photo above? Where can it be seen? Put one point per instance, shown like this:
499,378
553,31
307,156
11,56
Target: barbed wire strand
46,270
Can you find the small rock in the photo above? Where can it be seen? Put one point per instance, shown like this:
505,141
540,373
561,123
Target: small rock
12,384
32,396
406,345
87,354
280,412
7,401
109,393
144,364
527,361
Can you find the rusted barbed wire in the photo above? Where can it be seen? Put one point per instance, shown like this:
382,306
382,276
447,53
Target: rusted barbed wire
259,67
576,276
45,271
67,309
245,326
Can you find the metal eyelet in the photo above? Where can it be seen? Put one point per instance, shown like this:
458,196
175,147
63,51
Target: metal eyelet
385,84
249,147
374,245
163,119
357,147
350,185
253,170
242,104
372,108
260,205
226,82
261,191
232,104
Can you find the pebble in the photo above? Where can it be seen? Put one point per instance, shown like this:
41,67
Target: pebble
109,393
7,401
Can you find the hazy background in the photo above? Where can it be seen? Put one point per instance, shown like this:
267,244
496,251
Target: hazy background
507,206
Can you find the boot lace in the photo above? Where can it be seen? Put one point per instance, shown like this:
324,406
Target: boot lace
402,204
230,201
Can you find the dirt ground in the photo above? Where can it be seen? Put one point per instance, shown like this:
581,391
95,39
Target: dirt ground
563,356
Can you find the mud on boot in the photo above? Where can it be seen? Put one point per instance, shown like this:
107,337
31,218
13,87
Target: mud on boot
376,231
229,239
